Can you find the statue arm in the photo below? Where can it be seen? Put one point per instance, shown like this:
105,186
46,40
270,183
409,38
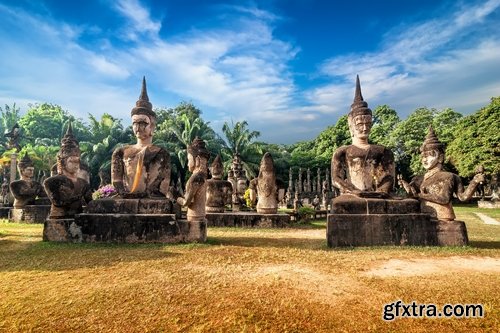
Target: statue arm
117,171
408,187
464,195
338,163
192,187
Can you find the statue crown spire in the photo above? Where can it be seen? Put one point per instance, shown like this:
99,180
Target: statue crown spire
359,106
144,91
357,94
143,106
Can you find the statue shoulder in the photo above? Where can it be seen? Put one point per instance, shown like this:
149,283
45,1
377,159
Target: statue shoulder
55,182
340,152
118,152
197,179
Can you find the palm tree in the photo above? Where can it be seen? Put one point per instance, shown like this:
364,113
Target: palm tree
239,140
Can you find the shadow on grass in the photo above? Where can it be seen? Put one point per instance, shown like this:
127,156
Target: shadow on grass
49,256
299,243
485,244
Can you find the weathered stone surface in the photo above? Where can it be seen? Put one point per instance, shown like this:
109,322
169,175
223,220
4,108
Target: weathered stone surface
264,189
143,228
380,229
350,204
30,214
451,233
130,206
488,204
61,230
219,191
124,228
248,220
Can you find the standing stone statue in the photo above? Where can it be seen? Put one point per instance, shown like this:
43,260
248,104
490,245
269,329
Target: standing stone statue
196,187
308,186
300,181
318,181
362,169
219,191
265,184
26,189
66,191
143,169
436,188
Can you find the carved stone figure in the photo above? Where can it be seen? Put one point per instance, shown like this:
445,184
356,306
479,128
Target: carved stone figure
265,186
297,203
66,191
219,191
26,189
362,169
436,187
316,202
14,135
196,186
143,169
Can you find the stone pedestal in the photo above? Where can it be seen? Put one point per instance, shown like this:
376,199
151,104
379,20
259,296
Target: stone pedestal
30,214
126,221
371,222
451,233
62,230
248,220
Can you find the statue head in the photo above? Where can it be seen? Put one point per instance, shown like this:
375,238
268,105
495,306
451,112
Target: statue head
267,163
217,168
68,157
360,116
26,168
143,116
198,154
432,151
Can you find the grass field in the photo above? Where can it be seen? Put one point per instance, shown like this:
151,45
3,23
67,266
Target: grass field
244,280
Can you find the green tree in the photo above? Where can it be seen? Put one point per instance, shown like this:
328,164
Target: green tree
239,139
385,121
477,141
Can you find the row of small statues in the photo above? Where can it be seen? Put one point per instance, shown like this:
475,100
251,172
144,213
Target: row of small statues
143,170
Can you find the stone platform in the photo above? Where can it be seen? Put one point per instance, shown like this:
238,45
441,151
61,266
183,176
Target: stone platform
488,204
124,228
247,220
30,214
371,222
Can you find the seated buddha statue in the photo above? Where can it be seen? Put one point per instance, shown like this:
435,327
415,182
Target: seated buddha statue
362,169
26,190
219,191
141,170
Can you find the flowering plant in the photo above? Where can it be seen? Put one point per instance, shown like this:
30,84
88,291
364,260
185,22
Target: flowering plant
104,192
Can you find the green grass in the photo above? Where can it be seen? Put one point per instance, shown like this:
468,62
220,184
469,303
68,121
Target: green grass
243,280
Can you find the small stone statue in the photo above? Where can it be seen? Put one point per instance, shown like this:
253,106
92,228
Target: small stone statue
265,184
14,135
436,188
219,191
66,191
196,186
143,169
297,203
26,189
316,202
362,169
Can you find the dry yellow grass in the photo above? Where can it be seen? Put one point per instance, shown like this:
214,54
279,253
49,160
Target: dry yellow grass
242,280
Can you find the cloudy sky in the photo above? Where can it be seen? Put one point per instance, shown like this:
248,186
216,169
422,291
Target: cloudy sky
288,67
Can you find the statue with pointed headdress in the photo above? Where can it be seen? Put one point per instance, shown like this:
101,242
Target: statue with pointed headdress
26,190
362,169
195,196
219,191
67,192
141,170
264,188
436,187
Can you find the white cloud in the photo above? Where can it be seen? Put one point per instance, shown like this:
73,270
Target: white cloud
139,17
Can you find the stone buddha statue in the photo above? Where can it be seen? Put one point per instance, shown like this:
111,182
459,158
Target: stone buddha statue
362,169
141,170
196,187
219,191
265,186
66,191
436,187
26,189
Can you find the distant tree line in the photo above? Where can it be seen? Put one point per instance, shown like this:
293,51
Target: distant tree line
470,140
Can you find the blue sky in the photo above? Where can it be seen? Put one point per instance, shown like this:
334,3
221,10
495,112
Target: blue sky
287,67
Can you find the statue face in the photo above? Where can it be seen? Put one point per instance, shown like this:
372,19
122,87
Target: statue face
430,159
72,164
360,126
142,126
28,172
